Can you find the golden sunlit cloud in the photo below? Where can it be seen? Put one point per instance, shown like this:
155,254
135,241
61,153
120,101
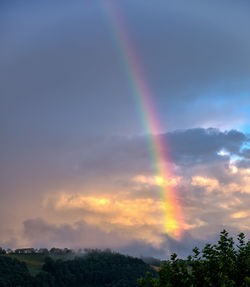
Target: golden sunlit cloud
210,184
156,180
233,169
240,214
141,216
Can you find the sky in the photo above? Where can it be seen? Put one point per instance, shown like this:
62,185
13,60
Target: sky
76,166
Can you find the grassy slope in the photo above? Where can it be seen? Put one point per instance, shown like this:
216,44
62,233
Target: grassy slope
34,262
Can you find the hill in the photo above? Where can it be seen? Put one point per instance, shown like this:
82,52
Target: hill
93,269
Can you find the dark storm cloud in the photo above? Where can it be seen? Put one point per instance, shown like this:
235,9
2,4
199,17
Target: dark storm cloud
244,163
61,75
246,152
203,145
120,158
185,147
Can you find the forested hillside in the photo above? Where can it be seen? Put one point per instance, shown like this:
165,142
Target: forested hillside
224,264
94,269
14,273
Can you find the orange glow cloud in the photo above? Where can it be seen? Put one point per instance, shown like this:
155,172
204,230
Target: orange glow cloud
156,180
240,214
141,216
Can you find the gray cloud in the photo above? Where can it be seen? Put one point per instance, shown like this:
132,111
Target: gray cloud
61,75
202,145
81,235
105,170
77,235
185,147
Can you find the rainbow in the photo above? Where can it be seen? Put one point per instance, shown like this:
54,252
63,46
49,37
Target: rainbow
173,220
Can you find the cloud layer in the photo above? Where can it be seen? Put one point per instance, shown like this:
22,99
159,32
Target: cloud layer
112,198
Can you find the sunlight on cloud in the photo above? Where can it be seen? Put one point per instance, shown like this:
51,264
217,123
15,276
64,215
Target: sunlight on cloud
210,184
231,203
135,211
240,214
156,180
195,224
223,152
232,160
233,169
213,184
67,201
142,217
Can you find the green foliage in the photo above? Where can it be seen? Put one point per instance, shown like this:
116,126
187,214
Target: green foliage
14,273
97,268
218,265
93,269
34,262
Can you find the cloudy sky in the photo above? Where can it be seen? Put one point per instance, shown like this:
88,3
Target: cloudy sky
75,165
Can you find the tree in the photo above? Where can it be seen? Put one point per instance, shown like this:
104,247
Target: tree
44,279
96,268
219,265
43,251
14,273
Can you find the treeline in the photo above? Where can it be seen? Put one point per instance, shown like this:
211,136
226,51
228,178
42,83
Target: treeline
42,251
225,264
94,269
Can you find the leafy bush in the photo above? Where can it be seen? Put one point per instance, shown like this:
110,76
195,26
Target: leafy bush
224,264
